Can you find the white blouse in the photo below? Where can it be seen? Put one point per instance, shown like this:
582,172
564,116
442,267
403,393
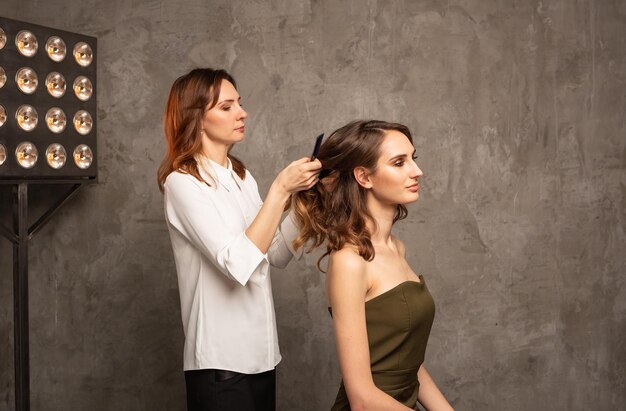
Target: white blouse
223,278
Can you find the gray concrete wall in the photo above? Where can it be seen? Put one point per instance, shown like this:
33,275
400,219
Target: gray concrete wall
518,109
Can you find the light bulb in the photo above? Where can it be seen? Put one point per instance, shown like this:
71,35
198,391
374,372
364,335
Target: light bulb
3,77
83,157
26,80
56,155
3,154
55,83
26,43
83,88
83,54
3,39
55,46
26,154
56,120
26,117
83,122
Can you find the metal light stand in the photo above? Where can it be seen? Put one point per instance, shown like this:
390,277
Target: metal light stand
20,236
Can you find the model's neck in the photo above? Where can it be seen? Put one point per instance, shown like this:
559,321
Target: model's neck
383,215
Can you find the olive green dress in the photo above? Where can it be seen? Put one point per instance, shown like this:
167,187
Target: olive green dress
398,325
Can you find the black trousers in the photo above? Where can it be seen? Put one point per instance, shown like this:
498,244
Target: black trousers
218,390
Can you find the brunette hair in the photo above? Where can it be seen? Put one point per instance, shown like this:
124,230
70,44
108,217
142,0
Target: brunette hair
335,209
188,99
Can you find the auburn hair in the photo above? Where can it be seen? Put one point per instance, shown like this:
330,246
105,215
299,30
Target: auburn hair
335,210
190,96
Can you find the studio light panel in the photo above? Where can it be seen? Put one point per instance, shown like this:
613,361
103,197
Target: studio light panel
47,103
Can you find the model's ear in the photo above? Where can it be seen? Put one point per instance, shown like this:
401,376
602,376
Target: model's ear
362,176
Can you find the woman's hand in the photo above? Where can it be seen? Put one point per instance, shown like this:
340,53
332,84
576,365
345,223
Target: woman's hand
300,175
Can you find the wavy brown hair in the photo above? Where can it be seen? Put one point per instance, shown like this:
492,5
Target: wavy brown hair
189,97
335,210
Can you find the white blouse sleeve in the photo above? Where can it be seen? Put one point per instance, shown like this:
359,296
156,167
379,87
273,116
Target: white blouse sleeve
281,251
192,213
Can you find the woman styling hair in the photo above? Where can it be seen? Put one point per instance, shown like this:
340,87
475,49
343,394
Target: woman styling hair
382,311
224,238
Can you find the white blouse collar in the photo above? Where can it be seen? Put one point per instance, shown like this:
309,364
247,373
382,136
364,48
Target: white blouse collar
219,174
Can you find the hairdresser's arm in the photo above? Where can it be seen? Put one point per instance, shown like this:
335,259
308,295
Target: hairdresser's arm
347,286
190,208
297,176
429,395
191,212
281,251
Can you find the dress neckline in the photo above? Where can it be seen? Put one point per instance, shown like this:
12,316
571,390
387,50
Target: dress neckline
420,283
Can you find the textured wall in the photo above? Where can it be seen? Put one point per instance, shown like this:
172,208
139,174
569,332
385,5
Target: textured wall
518,109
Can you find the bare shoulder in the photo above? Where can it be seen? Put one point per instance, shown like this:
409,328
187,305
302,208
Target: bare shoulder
346,279
346,260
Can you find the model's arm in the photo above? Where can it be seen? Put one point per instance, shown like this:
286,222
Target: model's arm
429,395
347,287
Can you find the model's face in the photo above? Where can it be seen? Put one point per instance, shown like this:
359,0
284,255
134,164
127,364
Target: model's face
395,180
223,123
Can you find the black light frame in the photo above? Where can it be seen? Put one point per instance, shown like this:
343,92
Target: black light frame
11,97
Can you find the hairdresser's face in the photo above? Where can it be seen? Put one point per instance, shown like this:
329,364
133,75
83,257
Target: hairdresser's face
395,180
223,123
